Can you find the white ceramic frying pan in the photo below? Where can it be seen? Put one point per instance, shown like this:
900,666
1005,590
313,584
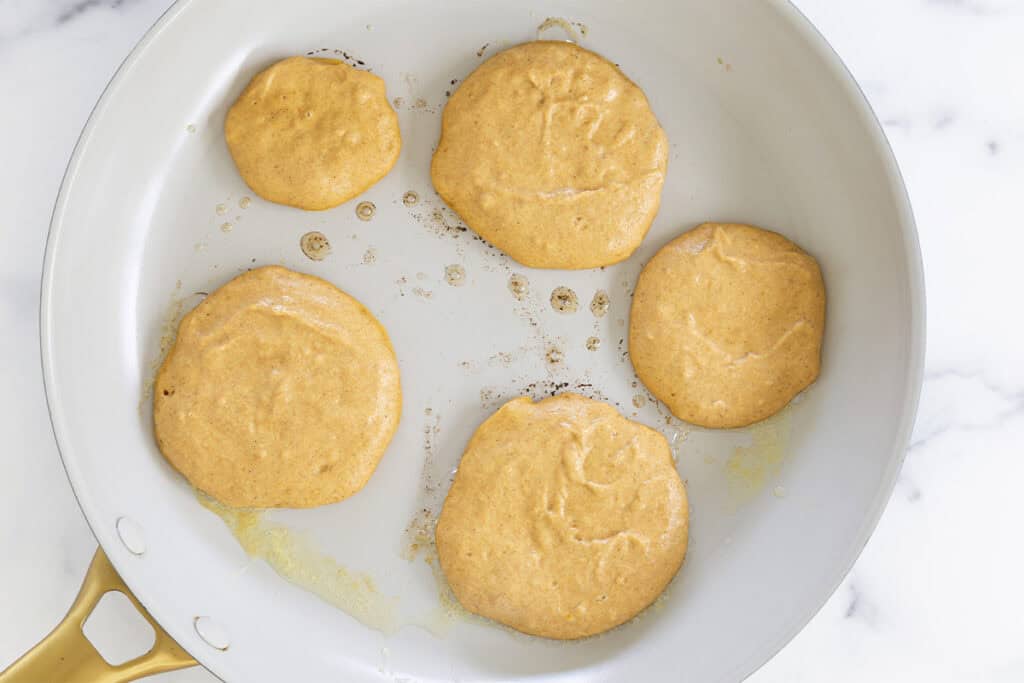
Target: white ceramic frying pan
765,126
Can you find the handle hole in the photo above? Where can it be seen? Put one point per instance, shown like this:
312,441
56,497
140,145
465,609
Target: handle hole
117,630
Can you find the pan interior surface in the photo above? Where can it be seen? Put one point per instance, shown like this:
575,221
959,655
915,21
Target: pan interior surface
765,127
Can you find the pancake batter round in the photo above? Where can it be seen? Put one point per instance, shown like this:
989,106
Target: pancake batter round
312,133
726,325
280,391
552,154
565,519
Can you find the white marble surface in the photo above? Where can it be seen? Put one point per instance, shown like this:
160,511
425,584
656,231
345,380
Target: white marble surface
937,595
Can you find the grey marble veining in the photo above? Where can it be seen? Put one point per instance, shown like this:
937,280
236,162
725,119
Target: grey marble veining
937,594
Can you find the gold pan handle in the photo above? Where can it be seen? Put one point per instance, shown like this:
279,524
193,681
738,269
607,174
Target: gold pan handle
67,656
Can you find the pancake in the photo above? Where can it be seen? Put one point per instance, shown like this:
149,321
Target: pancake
280,391
727,323
565,519
312,133
553,155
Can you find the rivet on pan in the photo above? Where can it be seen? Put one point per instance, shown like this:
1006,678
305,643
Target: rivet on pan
212,633
131,535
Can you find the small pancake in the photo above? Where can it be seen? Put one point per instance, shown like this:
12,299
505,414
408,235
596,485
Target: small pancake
565,519
280,391
727,324
312,133
550,153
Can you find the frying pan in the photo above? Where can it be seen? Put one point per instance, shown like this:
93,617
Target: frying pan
766,127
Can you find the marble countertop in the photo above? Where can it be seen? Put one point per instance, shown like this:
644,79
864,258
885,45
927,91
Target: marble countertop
936,595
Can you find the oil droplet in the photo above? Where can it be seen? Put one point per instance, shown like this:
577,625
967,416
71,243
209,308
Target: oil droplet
554,356
564,300
410,198
190,128
593,343
519,286
315,245
639,400
244,202
455,275
370,256
226,227
599,304
365,210
221,209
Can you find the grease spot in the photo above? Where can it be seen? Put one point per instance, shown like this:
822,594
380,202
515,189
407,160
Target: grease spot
593,343
600,303
365,210
564,300
315,245
410,198
519,286
455,275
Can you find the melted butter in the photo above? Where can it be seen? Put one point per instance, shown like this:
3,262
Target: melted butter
750,468
518,285
564,300
315,245
420,545
455,275
365,210
600,303
168,331
296,560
